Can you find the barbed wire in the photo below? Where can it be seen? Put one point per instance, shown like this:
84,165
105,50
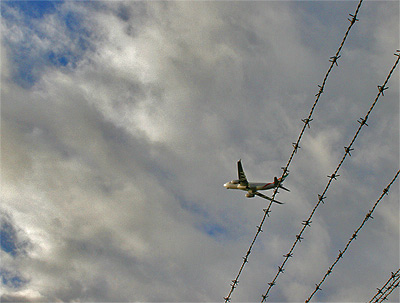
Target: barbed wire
390,290
353,237
296,146
395,276
333,176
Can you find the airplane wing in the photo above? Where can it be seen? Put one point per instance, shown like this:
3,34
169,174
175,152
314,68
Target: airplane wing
266,197
241,175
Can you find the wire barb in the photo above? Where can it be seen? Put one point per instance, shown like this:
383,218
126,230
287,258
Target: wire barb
333,176
234,283
267,211
307,121
382,88
348,150
352,20
296,147
386,191
369,216
363,121
285,170
334,59
321,91
321,198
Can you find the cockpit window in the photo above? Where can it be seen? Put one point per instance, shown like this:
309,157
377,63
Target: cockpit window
235,181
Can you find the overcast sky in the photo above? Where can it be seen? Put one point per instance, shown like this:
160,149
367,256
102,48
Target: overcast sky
121,121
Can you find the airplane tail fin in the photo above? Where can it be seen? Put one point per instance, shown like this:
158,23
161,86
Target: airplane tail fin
241,174
277,184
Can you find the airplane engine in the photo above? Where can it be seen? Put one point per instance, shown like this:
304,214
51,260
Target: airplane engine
249,195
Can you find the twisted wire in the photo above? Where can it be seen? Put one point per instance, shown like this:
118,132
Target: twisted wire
385,288
390,290
296,146
333,176
353,237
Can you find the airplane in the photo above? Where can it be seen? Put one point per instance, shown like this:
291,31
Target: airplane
253,188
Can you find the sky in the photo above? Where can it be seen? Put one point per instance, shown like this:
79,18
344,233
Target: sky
122,120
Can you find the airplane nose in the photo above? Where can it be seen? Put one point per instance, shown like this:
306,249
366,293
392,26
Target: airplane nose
226,185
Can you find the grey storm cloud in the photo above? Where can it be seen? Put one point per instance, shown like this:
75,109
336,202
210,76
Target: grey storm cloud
114,152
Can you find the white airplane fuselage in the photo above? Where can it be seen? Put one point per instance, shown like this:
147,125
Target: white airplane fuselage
253,186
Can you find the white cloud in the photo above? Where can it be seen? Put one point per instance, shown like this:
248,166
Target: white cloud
113,167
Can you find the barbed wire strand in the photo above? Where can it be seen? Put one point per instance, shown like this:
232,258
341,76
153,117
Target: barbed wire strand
296,146
390,289
353,237
333,176
395,276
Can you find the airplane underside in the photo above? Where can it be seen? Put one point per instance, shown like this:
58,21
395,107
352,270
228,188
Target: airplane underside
250,195
253,188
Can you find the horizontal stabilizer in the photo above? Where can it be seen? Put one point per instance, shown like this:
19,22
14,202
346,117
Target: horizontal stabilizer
266,197
280,186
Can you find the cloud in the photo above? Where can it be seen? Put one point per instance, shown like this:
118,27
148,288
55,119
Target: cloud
130,118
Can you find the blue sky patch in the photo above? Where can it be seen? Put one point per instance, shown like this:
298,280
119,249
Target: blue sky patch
11,280
37,47
8,239
34,9
59,59
213,230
